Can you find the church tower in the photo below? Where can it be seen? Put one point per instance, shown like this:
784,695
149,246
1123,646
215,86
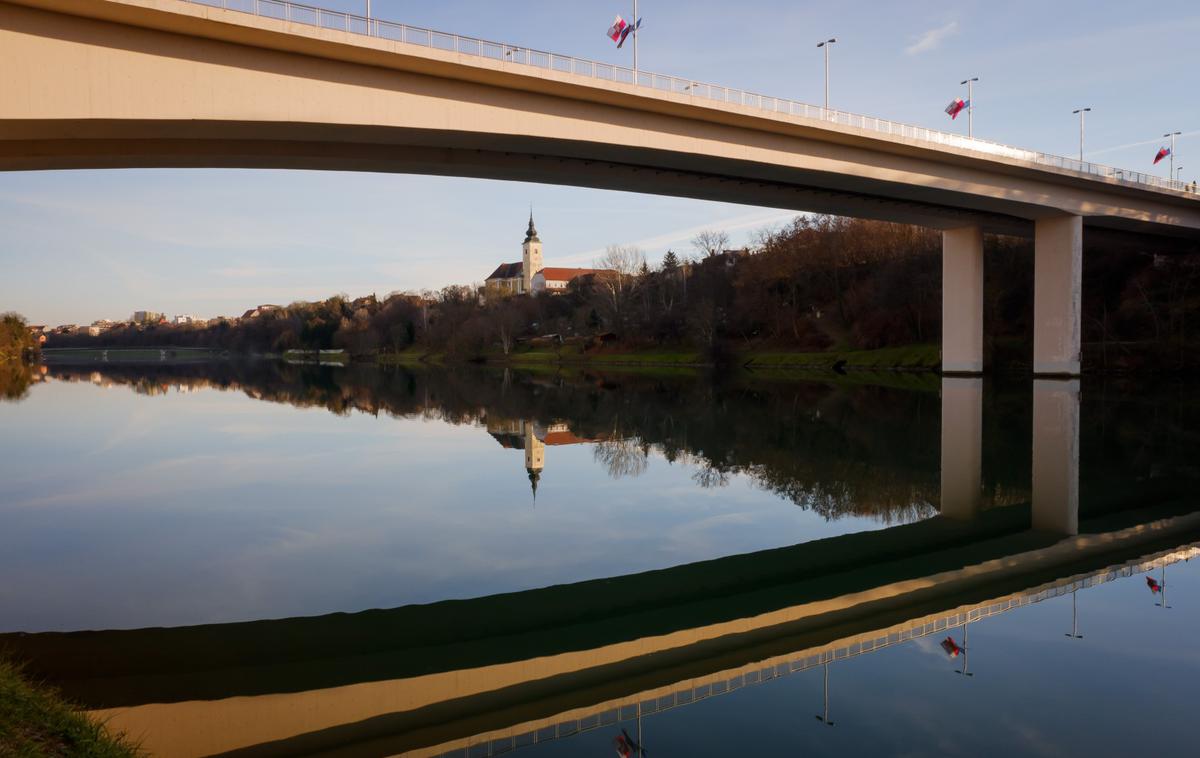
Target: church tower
532,256
535,449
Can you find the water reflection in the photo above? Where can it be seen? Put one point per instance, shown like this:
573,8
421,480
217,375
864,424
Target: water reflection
971,505
834,452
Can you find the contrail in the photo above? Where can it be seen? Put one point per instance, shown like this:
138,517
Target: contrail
748,221
1143,143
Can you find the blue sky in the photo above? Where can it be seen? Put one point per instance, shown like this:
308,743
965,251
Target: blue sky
103,244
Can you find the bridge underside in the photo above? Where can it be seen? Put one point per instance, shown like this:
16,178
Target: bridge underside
160,83
124,144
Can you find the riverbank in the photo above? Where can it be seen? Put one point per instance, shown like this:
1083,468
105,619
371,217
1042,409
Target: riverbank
77,355
34,721
916,358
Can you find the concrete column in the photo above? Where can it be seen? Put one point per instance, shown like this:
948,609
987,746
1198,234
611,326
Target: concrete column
1056,455
962,446
1057,288
962,300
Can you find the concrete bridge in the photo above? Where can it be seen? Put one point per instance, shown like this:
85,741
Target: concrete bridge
170,83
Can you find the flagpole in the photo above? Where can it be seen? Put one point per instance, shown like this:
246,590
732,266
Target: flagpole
970,105
1172,136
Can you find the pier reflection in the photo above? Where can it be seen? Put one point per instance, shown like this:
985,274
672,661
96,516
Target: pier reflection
980,491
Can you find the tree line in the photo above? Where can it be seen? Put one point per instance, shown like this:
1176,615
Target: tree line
820,282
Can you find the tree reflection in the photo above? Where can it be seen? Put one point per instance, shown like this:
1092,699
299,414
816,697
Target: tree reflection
622,457
836,450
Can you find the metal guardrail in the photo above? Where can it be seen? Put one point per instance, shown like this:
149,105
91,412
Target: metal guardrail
374,27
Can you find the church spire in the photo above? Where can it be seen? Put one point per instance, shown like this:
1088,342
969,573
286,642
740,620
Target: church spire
531,232
534,476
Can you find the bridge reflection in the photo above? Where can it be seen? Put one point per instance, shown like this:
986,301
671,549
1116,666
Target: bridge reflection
494,673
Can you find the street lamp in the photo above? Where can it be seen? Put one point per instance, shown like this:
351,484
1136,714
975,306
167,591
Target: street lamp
1081,111
1172,135
970,105
826,44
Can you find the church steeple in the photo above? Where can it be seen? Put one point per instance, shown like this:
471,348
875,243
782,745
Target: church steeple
534,476
531,256
531,232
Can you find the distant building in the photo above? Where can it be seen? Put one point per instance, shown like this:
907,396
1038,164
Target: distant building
529,276
555,280
147,317
517,278
260,310
183,320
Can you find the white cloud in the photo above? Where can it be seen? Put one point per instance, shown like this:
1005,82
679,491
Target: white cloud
932,38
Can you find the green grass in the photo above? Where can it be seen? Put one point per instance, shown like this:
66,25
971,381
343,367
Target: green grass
412,356
34,721
908,357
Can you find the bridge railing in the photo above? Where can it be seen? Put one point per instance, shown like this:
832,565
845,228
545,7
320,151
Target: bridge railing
700,91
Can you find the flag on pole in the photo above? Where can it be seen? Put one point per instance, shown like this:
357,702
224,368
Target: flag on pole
621,29
1163,152
630,28
957,106
617,31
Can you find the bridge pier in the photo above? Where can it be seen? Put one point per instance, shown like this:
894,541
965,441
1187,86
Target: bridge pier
1056,455
962,447
962,300
1057,292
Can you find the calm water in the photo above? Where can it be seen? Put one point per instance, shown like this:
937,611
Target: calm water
808,531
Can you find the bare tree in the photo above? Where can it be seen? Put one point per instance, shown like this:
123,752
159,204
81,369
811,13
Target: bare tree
711,242
625,261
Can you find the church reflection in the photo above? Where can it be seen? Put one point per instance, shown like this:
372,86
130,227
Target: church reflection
491,674
533,438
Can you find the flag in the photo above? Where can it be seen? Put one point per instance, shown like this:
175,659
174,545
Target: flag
629,28
957,106
618,30
1163,152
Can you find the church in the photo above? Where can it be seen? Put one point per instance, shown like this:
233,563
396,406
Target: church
529,276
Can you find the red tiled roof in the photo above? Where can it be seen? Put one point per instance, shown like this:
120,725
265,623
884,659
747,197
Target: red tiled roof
553,274
563,438
507,271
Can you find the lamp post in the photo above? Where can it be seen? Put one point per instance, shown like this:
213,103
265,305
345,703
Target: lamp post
1172,135
826,44
1081,112
970,105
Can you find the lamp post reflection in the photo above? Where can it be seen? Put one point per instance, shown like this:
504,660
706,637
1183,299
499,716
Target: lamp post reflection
966,652
1162,588
824,719
1074,633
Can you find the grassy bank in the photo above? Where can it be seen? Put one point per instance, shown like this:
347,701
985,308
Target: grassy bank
907,358
36,722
